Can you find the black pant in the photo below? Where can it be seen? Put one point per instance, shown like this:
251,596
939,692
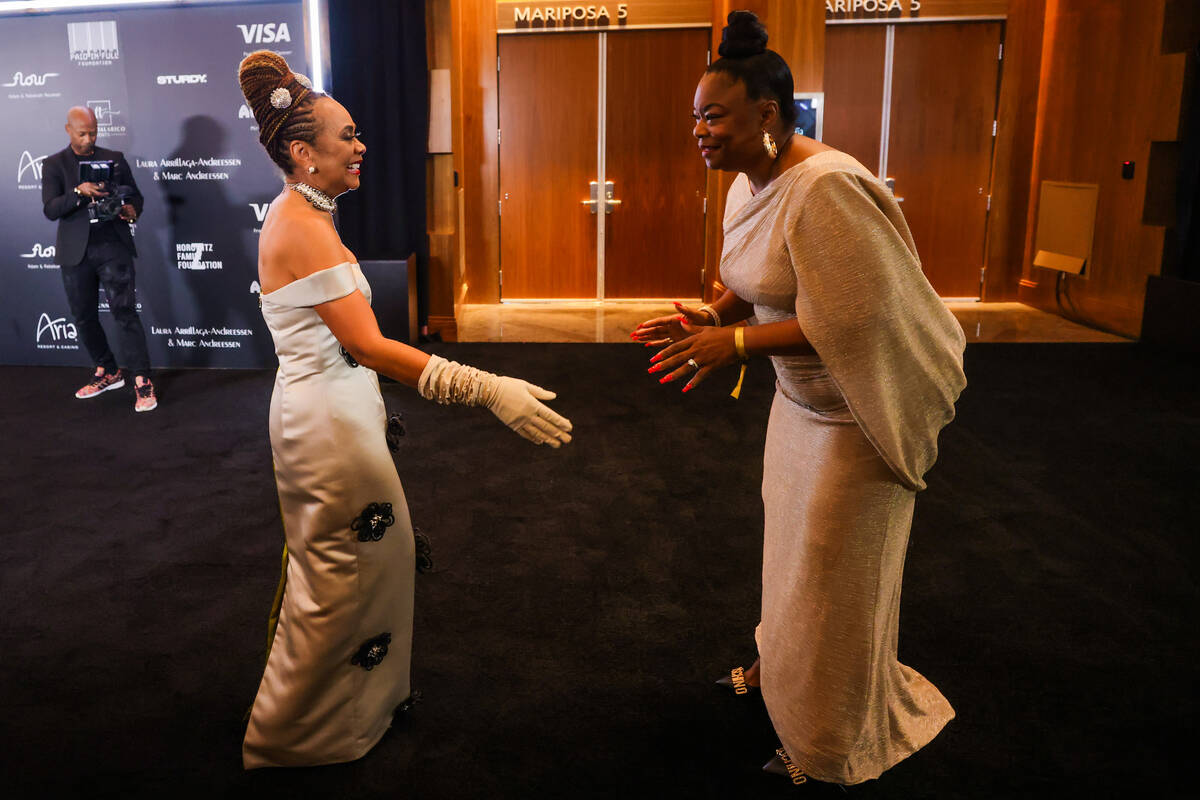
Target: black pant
108,264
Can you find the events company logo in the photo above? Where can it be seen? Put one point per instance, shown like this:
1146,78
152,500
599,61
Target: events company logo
29,171
168,80
56,333
93,44
191,256
265,32
33,79
106,118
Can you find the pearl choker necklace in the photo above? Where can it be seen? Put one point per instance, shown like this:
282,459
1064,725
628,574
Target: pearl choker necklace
320,200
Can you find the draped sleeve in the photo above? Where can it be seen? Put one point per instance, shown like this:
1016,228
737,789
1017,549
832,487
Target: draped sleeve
886,338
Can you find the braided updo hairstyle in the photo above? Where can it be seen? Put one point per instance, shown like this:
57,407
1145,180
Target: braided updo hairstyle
261,74
745,58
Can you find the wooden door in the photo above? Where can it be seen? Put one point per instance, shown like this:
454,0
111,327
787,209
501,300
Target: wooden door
944,87
854,78
654,240
548,141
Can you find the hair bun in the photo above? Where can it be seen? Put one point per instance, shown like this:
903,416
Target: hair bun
260,68
744,36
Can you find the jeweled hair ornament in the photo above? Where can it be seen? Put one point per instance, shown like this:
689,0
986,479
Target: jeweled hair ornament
289,103
281,98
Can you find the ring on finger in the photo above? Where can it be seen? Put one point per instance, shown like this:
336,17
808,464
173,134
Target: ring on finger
692,363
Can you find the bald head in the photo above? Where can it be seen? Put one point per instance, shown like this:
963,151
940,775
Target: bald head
81,128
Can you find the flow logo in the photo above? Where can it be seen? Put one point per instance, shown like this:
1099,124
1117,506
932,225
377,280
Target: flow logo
31,166
40,251
55,333
166,80
265,32
33,79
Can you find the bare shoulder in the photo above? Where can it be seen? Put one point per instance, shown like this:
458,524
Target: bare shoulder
296,241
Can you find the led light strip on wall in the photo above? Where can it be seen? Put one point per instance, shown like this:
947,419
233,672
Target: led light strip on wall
886,124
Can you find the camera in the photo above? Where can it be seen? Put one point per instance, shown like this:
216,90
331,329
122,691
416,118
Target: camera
103,209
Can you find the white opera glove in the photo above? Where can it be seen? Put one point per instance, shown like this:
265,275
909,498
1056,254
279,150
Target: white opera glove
515,402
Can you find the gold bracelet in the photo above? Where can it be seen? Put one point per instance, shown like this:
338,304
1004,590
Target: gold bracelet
739,342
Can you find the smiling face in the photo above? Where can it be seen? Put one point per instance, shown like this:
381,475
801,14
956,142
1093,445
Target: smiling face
337,152
728,125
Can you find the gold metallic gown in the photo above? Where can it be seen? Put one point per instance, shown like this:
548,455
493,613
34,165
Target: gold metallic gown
852,431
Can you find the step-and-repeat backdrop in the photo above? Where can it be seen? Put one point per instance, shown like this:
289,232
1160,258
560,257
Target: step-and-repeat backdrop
163,85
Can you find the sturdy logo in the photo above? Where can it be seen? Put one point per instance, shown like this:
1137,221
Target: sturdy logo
260,210
93,43
33,79
55,330
165,80
265,32
31,165
40,251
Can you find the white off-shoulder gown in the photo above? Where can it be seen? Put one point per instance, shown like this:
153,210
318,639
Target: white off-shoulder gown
339,660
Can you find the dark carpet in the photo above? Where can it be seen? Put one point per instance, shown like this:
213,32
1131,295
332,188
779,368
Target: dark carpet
584,600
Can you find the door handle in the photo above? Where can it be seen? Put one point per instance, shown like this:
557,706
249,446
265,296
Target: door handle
595,192
609,201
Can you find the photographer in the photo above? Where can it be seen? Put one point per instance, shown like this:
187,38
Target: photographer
95,248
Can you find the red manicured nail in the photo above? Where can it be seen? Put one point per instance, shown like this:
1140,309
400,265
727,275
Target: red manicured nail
687,388
656,359
665,378
653,369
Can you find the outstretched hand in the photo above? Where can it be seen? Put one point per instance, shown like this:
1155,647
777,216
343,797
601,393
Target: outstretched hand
697,356
518,405
675,328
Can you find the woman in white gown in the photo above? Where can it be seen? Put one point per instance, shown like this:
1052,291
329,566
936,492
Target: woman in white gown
341,639
869,365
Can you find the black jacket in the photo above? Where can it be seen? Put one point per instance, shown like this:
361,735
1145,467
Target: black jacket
60,176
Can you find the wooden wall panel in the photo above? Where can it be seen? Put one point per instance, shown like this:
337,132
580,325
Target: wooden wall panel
796,31
654,241
940,145
547,158
1104,83
441,213
854,57
475,152
1013,156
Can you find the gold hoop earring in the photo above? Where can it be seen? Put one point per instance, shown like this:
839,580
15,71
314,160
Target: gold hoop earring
769,145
